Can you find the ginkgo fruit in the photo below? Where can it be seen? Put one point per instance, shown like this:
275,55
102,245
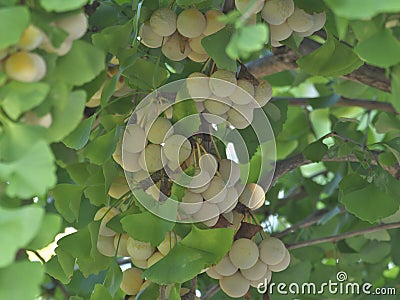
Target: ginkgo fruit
195,44
138,250
118,187
209,163
244,93
217,107
263,93
105,245
130,161
191,202
198,86
256,272
244,253
238,119
230,201
163,22
319,22
197,57
213,24
148,37
176,48
158,130
214,119
151,159
249,7
31,38
105,214
131,281
200,181
276,12
265,279
235,285
177,148
253,196
208,214
230,171
272,251
140,263
280,32
191,23
216,191
282,265
223,83
61,50
168,243
135,139
155,258
75,25
225,267
120,242
211,272
300,21
24,66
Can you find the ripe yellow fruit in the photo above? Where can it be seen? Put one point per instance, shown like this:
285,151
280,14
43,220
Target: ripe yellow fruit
213,25
176,48
120,241
223,83
148,37
138,250
31,38
135,139
131,281
163,22
105,245
24,66
118,188
191,23
155,258
244,253
151,159
256,272
197,57
300,21
76,25
253,196
211,272
195,44
225,267
139,263
263,93
276,12
280,32
235,286
272,251
168,243
158,130
244,93
105,214
249,7
282,265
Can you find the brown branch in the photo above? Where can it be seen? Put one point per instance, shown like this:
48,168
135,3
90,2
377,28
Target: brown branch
284,58
211,291
336,238
367,104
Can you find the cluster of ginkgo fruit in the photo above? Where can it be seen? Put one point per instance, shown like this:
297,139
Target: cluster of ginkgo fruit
247,264
179,36
224,97
20,63
283,18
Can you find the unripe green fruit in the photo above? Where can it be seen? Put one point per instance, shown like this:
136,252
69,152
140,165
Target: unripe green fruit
217,107
211,272
216,192
158,130
244,94
263,93
230,171
272,251
280,32
191,23
248,7
235,285
163,22
256,272
300,21
282,265
223,83
135,139
244,253
177,148
225,267
148,37
151,158
198,86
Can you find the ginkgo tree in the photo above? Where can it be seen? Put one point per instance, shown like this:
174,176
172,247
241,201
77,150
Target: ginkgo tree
197,149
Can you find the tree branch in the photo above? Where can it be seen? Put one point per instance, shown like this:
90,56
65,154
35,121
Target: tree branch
284,58
211,291
367,104
336,238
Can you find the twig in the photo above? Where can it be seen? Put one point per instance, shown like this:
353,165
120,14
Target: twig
335,238
211,291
